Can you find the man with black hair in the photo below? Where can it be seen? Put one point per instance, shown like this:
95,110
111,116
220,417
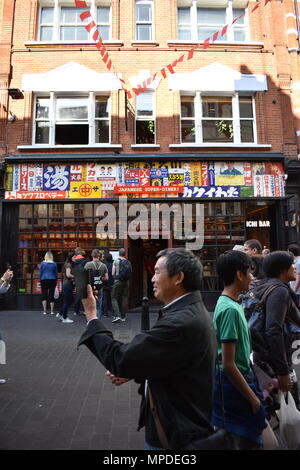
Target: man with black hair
174,361
245,414
121,271
253,247
280,313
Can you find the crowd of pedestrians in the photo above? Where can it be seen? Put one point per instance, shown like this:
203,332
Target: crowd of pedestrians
191,368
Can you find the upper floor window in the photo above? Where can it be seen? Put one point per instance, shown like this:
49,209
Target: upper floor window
217,119
198,23
145,119
61,21
62,119
143,18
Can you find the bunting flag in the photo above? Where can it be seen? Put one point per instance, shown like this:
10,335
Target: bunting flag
141,88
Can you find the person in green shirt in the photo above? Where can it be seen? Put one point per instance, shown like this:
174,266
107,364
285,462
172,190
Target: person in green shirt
244,410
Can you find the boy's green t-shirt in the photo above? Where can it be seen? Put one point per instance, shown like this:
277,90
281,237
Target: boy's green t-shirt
231,325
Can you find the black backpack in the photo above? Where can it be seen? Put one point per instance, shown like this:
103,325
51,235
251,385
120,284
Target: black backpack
96,276
125,270
256,316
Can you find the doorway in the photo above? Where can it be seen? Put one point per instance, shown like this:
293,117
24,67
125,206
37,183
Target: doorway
142,254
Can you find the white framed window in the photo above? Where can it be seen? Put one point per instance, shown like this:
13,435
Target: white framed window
59,20
145,119
217,119
197,23
68,119
144,20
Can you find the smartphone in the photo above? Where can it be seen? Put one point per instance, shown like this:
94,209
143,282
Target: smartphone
81,276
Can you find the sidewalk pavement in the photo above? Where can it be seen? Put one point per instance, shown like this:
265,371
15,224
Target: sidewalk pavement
57,397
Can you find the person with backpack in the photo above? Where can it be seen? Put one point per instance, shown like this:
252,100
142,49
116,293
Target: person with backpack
122,272
281,318
107,286
242,398
97,274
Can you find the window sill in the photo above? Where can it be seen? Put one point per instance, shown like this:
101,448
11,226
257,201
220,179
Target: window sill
144,43
157,146
101,146
179,42
230,145
108,42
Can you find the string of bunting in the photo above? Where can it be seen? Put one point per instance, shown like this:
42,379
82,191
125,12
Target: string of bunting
91,25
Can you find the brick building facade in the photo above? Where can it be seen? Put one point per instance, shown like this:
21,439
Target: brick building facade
220,123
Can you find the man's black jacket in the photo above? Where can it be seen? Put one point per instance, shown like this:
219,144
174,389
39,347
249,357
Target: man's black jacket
177,357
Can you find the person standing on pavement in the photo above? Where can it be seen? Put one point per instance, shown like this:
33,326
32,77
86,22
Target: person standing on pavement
121,271
48,278
4,286
175,359
294,249
68,287
79,261
281,314
107,286
99,274
244,411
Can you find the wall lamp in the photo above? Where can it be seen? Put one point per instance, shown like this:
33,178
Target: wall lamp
15,93
12,117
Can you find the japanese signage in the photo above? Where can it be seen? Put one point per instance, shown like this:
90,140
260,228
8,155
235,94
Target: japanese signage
144,179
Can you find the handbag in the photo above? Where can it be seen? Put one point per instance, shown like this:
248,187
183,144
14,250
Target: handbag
220,439
289,418
56,293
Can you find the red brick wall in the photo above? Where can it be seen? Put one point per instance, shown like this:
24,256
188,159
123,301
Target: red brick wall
276,122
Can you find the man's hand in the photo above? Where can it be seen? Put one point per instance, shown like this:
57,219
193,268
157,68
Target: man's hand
284,383
8,275
116,380
89,304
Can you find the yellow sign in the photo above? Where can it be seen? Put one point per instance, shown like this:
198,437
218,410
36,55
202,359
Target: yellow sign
85,190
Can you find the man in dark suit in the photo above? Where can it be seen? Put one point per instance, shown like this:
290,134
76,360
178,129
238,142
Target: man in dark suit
174,361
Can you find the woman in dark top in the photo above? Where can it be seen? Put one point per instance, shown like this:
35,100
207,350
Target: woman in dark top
68,286
107,286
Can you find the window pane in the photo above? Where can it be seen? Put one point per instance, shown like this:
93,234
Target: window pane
42,108
71,108
144,104
211,16
236,13
102,132
217,131
143,32
247,134
104,32
68,15
72,134
67,33
102,107
47,15
204,33
246,110
103,14
188,131
184,15
217,107
184,33
145,132
239,35
42,133
187,106
46,33
143,13
81,34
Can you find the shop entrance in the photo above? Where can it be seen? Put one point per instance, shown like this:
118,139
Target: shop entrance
142,254
261,223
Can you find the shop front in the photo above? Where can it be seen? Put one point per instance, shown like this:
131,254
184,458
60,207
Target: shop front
144,206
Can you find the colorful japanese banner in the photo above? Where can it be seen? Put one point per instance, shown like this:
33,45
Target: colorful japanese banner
145,179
